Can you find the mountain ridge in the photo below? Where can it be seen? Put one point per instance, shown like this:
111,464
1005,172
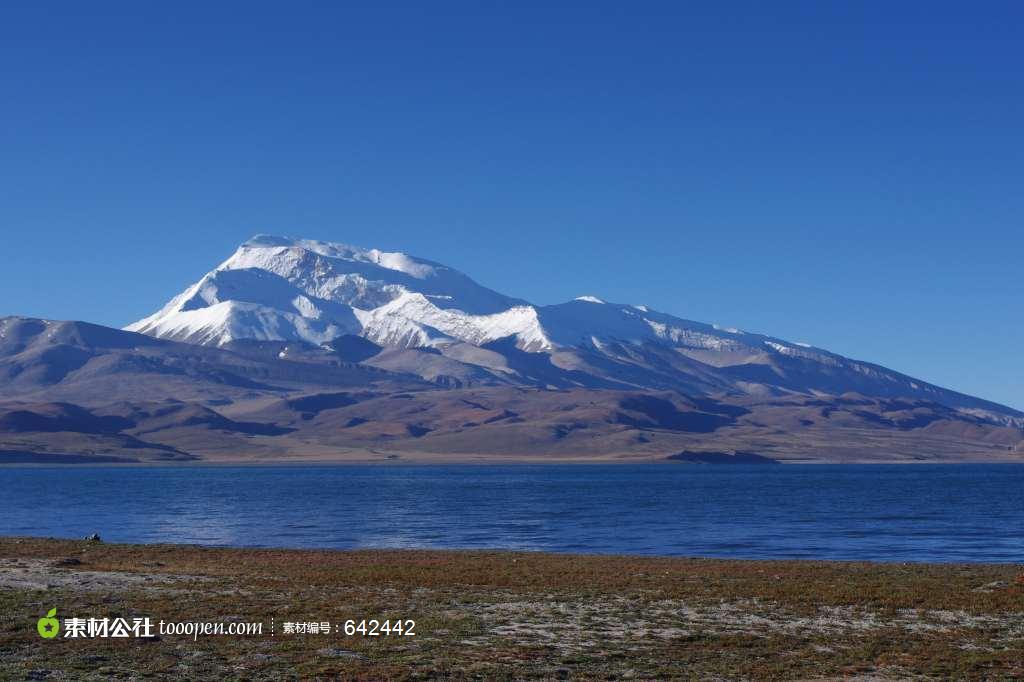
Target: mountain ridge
300,351
76,392
285,289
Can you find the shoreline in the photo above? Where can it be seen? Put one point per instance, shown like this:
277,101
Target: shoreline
458,551
511,615
487,461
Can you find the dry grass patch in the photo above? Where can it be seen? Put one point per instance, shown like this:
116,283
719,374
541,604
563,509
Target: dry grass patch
504,615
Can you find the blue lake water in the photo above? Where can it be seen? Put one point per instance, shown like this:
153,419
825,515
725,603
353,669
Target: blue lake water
958,513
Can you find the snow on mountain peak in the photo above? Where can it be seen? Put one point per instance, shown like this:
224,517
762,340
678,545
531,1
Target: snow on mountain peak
283,289
520,322
397,261
305,289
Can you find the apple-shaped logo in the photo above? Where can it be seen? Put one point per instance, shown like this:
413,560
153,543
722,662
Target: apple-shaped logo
48,627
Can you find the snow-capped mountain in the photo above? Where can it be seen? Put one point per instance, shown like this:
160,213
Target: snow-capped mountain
286,289
293,290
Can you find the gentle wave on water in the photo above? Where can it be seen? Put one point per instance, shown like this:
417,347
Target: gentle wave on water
954,513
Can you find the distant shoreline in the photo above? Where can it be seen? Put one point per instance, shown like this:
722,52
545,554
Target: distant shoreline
487,461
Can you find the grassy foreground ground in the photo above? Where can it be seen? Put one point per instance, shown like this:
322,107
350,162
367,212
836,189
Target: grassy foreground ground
498,615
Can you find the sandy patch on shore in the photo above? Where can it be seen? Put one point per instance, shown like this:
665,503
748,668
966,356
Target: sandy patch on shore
595,622
44,574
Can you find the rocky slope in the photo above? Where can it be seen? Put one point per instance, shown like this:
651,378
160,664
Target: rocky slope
76,392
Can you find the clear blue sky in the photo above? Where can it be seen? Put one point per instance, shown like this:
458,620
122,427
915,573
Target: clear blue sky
849,174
